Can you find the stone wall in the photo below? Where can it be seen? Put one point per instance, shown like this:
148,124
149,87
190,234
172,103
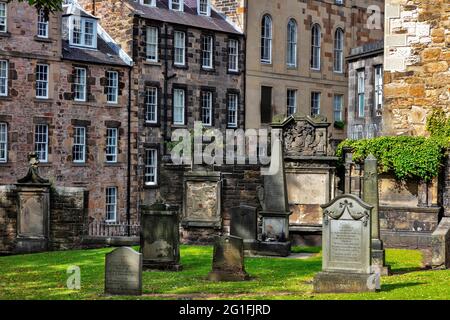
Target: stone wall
8,219
233,9
417,59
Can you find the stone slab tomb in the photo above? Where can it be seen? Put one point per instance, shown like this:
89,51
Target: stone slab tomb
160,239
123,272
228,260
244,224
346,262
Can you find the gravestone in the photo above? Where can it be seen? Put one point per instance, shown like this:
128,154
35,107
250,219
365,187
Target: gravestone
33,194
123,272
371,196
160,239
244,224
275,216
346,262
228,260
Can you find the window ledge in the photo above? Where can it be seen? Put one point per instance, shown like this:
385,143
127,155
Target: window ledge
152,63
40,39
115,164
6,98
43,100
5,34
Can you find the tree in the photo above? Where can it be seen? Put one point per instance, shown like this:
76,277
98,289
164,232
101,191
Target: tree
46,5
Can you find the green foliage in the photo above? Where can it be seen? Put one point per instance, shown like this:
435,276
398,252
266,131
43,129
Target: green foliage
46,5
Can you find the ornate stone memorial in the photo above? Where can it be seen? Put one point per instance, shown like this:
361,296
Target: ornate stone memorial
244,224
202,200
275,216
33,193
228,260
346,262
371,196
160,238
123,272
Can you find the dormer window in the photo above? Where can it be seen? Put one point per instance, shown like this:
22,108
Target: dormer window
204,7
176,5
150,3
83,32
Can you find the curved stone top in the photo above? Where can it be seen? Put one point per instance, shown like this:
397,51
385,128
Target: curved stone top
354,205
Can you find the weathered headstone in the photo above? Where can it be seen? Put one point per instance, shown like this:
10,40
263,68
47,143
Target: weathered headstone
228,260
123,272
244,224
441,245
371,196
33,194
160,239
346,262
275,217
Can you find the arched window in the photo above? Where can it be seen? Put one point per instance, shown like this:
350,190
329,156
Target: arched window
339,50
266,39
292,43
316,39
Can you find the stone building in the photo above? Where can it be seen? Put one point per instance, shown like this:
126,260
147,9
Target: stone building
365,101
417,61
295,55
64,94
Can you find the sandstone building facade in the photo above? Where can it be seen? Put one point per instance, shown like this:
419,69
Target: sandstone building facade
65,95
296,55
417,62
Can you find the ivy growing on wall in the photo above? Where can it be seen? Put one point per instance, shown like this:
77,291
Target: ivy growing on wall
406,156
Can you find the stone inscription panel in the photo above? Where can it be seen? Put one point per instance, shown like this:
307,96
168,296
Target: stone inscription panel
32,211
306,188
345,241
201,200
123,272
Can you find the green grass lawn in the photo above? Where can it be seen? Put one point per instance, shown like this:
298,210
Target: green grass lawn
43,276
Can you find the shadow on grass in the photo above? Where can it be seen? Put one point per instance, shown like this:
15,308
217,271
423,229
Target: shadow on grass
401,271
394,286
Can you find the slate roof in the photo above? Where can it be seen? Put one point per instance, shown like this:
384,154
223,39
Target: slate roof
107,51
189,17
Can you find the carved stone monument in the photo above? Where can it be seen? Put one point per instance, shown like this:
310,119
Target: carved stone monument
202,200
244,224
370,196
160,238
346,262
33,193
228,260
123,272
275,216
310,167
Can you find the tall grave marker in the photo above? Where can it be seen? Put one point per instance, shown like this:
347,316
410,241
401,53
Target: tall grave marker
346,262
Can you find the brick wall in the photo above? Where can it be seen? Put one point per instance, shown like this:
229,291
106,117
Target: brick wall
417,59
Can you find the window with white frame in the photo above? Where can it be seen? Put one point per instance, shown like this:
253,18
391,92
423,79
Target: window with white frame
291,58
42,24
41,142
111,145
315,103
204,7
178,106
339,51
3,142
112,86
316,42
83,32
207,52
3,17
291,102
42,81
176,5
361,93
338,106
80,84
233,103
180,48
3,78
151,105
207,102
79,144
378,89
151,167
152,44
233,55
266,39
151,3
111,204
